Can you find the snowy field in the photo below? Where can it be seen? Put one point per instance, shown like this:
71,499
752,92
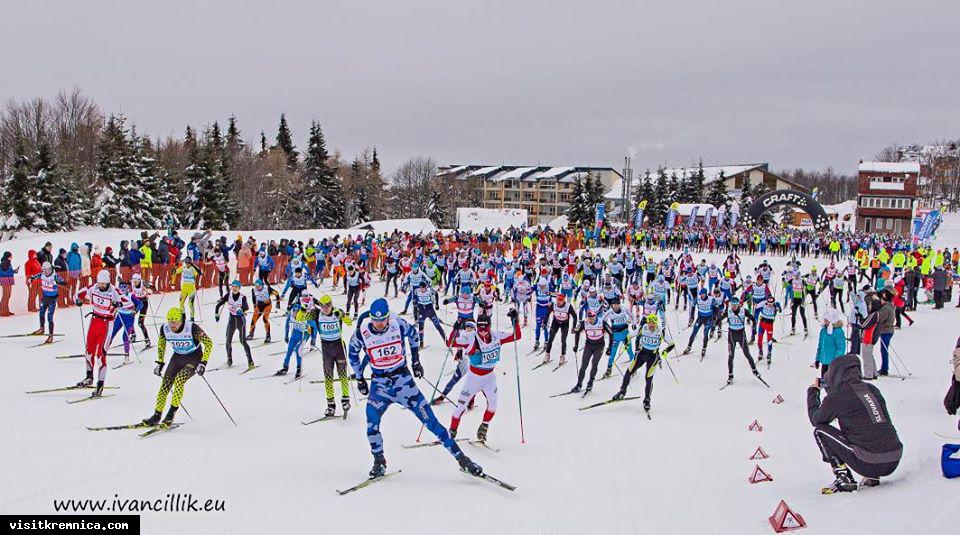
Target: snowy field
607,470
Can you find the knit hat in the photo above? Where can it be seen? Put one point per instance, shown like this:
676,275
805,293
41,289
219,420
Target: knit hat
832,317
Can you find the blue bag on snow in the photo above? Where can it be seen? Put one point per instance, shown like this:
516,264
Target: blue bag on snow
950,461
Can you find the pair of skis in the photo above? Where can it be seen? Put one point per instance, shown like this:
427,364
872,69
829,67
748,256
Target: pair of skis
609,401
66,389
326,419
730,382
151,430
367,482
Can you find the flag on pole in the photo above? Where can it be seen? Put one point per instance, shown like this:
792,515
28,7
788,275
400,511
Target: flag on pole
693,216
638,215
734,215
672,215
708,217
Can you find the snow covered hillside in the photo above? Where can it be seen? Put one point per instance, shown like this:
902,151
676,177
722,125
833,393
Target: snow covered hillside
606,470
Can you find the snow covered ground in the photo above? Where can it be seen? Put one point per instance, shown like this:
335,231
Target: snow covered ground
607,470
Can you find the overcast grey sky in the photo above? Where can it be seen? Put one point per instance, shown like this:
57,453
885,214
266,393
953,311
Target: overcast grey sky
554,82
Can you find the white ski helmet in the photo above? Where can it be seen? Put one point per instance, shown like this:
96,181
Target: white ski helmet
135,278
103,277
47,266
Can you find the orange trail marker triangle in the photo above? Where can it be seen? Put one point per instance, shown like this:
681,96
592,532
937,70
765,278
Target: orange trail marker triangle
785,519
759,454
759,476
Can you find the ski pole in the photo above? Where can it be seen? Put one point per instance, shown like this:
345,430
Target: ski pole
218,399
83,327
516,359
186,411
446,357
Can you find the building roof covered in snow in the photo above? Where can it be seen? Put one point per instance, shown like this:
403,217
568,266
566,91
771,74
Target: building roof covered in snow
890,167
527,173
413,226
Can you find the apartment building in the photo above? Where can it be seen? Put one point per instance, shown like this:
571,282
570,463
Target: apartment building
543,191
886,192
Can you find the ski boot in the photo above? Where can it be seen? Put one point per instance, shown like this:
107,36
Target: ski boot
379,466
126,359
229,362
703,353
536,345
608,373
756,373
331,409
588,389
482,432
575,389
469,466
133,338
87,381
730,377
619,395
153,420
252,334
282,371
298,374
869,482
250,365
686,351
453,434
806,333
266,338
171,414
793,332
843,483
38,332
98,391
646,405
147,344
345,404
49,339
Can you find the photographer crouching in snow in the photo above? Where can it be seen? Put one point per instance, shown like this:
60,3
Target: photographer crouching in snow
866,442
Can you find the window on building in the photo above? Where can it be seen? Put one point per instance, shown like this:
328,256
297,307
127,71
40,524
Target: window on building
867,225
889,224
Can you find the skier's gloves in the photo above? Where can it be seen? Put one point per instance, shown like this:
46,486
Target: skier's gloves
362,386
78,302
158,371
201,368
417,369
216,318
512,314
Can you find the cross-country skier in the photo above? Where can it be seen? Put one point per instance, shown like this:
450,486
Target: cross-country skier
105,301
330,320
383,342
798,292
562,315
123,322
260,295
189,275
191,351
651,336
300,322
594,330
140,291
737,319
424,298
767,313
482,347
50,283
619,323
238,306
704,306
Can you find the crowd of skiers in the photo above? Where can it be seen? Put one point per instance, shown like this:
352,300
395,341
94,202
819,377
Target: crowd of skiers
616,303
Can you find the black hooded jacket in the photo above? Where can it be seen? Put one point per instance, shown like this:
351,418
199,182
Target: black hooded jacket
858,407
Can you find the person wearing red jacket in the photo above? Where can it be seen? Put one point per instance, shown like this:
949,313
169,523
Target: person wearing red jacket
898,303
30,268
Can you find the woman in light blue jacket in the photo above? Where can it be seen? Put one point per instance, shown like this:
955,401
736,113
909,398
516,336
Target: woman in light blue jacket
833,342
